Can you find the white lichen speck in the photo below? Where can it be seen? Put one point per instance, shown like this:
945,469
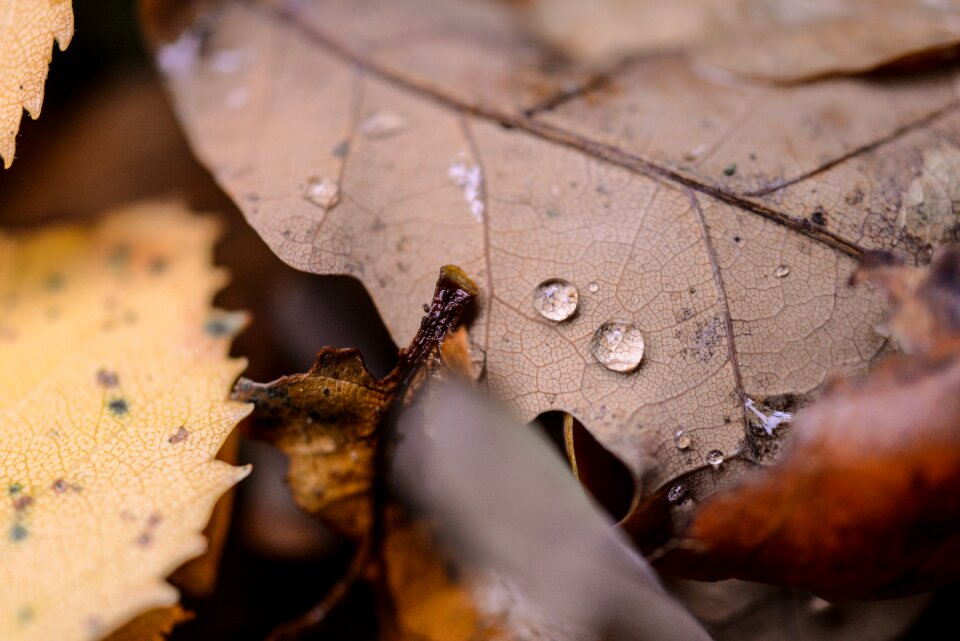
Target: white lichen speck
769,423
470,178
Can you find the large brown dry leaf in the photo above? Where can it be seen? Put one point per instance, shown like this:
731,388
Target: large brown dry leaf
778,40
385,138
863,503
112,407
27,31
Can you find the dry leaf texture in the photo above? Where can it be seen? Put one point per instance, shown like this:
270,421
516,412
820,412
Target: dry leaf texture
772,40
27,31
722,220
113,404
863,504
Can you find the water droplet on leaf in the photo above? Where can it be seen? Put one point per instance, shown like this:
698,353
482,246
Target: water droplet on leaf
781,271
323,192
618,346
681,440
593,287
556,299
715,458
677,494
382,124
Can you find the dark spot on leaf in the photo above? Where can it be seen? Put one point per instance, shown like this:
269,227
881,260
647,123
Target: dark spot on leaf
22,503
158,265
819,217
730,169
552,213
144,539
855,197
736,239
54,282
18,532
60,486
118,406
106,378
181,435
25,615
341,149
119,257
14,488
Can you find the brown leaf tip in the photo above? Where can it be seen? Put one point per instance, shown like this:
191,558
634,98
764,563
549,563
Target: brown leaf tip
457,278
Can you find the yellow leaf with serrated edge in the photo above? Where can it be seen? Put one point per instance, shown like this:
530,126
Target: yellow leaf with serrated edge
27,30
114,378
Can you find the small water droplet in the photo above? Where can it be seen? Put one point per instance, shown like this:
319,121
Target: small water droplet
677,494
322,191
618,346
556,299
383,124
715,458
593,287
681,439
695,153
817,605
781,271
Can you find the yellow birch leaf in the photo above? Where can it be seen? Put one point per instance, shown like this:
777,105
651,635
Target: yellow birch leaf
153,625
113,403
27,30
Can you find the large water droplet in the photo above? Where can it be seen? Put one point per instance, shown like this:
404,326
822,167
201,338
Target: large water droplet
556,299
322,191
618,346
382,124
715,458
677,494
681,439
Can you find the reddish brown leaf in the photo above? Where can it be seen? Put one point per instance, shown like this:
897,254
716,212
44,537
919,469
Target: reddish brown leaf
865,501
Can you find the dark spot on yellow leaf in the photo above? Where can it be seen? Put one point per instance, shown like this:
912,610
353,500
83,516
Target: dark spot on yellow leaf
18,532
181,435
118,407
54,282
106,378
22,503
14,489
25,615
60,486
119,257
158,265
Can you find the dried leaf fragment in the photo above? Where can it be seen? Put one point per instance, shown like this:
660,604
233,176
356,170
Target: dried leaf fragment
27,31
331,422
104,356
863,504
328,419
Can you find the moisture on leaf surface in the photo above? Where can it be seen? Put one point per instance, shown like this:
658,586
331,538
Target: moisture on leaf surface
863,502
113,405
